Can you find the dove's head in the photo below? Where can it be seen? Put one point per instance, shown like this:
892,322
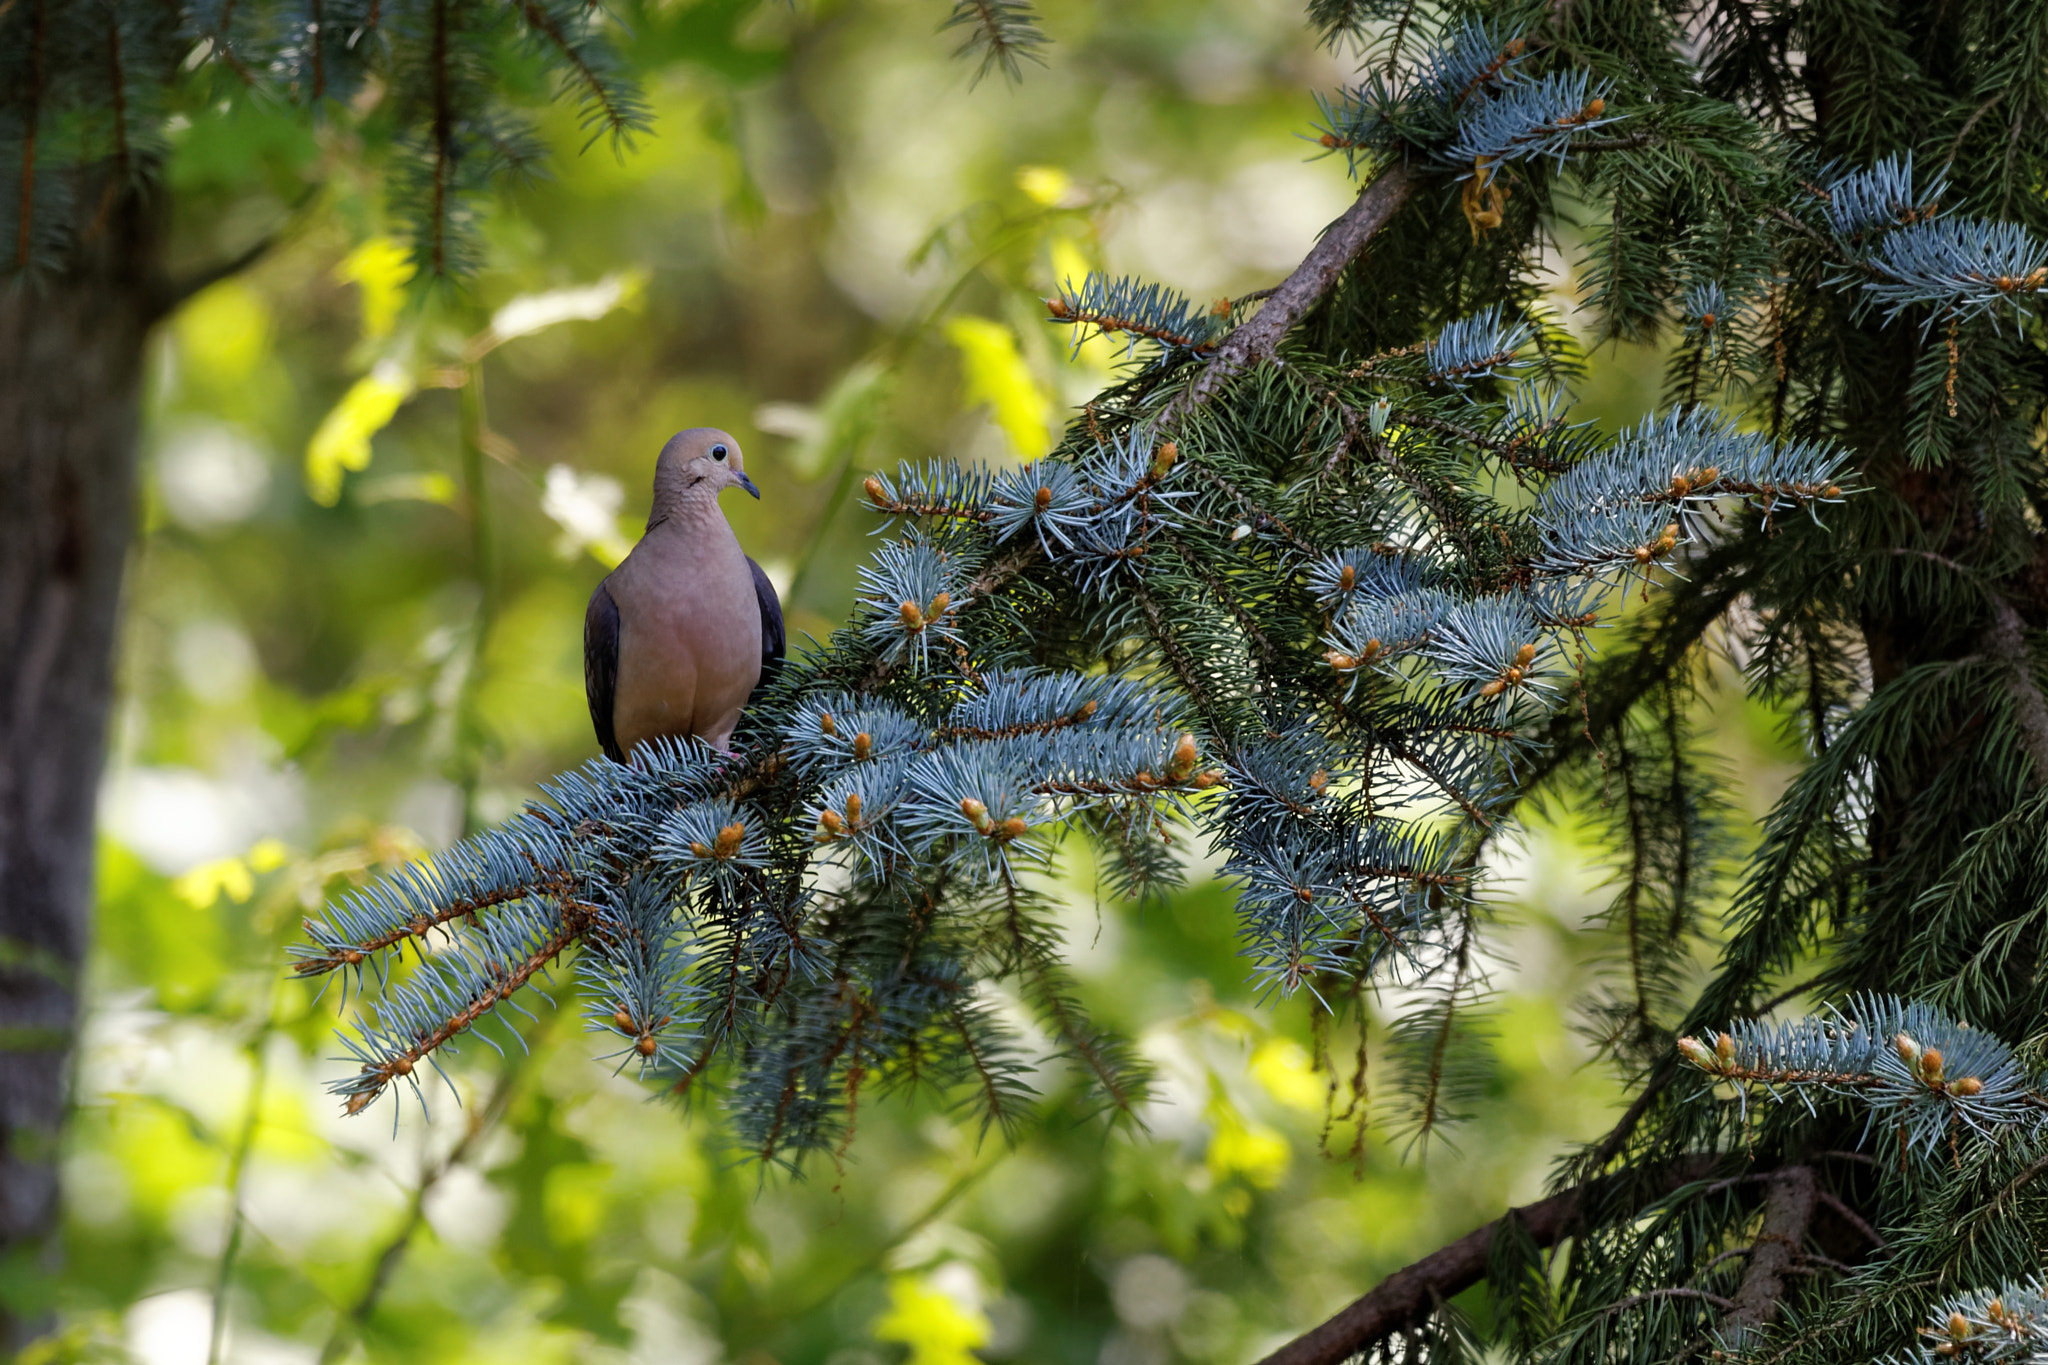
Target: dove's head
696,466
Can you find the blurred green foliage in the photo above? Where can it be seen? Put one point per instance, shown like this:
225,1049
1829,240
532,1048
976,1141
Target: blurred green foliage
353,633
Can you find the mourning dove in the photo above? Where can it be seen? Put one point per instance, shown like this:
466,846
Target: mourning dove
679,636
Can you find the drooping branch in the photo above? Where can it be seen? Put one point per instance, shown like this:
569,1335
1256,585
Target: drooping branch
1405,1299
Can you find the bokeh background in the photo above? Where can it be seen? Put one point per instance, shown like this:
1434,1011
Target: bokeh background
353,632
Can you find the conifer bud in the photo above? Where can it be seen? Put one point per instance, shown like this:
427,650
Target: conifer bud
1930,1066
830,820
1059,308
1348,579
402,1067
623,1019
863,745
1494,688
1724,1048
1525,656
1012,828
976,813
1168,452
1043,500
699,849
1340,661
728,842
1596,107
1708,475
646,1047
1694,1051
1968,1086
876,494
1183,763
1204,781
1958,1326
1319,781
825,723
852,809
1085,710
1909,1051
938,606
913,618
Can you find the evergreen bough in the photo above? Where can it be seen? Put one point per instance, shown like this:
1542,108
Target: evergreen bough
1320,581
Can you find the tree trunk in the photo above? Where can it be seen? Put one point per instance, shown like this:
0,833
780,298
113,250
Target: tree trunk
71,352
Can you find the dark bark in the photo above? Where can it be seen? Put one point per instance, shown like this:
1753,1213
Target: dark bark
71,352
1405,1299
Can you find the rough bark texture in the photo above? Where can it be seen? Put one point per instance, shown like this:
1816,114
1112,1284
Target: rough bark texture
71,349
1256,341
1780,1245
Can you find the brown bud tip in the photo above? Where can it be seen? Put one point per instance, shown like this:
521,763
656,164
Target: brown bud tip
1695,1051
402,1067
1184,755
1680,485
1339,661
1724,1047
938,606
1087,709
1347,579
1930,1066
1515,46
1059,308
1525,656
351,956
1372,650
1319,781
1043,500
1645,554
1012,828
1958,1325
1968,1086
1328,139
701,850
831,821
1144,779
623,1019
913,618
1221,308
1596,107
1494,688
1304,895
1204,781
825,723
356,1103
1831,491
875,492
974,811
1168,452
646,1047
728,841
853,808
863,745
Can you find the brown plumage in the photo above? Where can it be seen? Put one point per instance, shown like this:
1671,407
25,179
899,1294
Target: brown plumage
685,630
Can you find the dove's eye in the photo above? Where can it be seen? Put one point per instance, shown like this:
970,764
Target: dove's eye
719,453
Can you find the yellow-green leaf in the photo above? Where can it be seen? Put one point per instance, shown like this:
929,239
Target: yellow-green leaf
343,441
381,268
936,1327
997,375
